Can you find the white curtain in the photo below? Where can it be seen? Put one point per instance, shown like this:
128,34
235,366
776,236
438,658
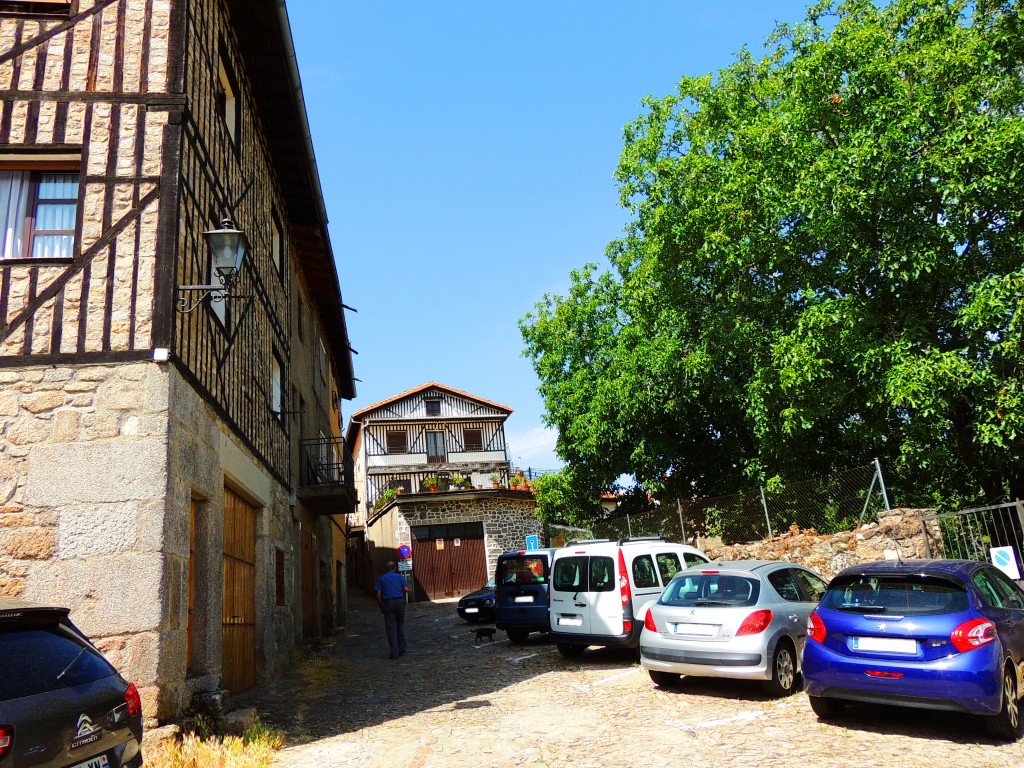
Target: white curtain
14,190
56,204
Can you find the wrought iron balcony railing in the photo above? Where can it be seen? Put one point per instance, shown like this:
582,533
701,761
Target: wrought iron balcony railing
325,462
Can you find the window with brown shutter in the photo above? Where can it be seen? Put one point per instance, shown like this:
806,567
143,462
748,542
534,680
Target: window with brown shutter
279,575
397,442
473,439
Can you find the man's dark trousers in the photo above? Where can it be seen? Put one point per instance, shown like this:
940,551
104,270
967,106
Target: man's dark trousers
394,623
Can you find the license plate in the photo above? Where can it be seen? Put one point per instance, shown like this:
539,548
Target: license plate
696,630
525,599
570,621
95,762
884,644
472,610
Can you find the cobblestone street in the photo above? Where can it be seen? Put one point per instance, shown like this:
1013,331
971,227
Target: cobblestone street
453,702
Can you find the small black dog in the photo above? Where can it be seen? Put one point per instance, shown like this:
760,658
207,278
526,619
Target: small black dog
485,632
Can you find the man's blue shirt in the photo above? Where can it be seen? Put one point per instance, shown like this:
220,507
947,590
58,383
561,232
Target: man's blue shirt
391,585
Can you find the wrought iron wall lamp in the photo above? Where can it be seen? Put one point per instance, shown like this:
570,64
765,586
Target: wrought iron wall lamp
228,247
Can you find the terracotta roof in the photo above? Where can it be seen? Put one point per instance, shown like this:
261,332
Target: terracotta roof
429,385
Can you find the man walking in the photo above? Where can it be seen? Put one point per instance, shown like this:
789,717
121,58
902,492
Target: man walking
391,590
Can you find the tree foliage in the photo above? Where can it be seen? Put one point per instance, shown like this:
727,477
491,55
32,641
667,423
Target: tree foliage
824,265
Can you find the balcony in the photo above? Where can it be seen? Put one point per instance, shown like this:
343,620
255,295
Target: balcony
326,477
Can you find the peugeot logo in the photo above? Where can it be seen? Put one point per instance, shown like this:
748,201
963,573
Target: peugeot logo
85,726
881,627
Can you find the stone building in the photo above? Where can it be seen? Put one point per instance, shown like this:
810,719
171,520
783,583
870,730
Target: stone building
432,472
171,465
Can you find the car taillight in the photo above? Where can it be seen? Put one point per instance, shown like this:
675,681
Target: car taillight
973,634
624,592
815,628
649,622
133,700
883,673
6,740
755,623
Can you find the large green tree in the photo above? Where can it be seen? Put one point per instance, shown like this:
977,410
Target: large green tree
823,265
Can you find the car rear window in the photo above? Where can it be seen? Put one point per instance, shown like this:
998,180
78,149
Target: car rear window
707,589
42,655
524,569
584,574
903,595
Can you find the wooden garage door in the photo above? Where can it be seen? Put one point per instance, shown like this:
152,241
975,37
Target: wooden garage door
448,560
238,652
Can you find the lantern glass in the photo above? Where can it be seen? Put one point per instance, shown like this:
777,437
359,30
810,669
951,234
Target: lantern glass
228,247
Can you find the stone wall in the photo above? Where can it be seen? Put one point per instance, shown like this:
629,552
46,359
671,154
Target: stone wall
905,533
508,518
203,458
83,475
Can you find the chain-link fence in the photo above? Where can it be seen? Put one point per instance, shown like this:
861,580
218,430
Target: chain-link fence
838,502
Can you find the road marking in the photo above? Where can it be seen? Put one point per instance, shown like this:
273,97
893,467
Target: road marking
602,681
522,658
741,717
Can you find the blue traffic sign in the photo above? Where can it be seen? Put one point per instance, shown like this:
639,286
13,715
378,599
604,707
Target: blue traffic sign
533,542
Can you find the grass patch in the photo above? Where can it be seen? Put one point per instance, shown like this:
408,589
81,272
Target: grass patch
316,669
253,749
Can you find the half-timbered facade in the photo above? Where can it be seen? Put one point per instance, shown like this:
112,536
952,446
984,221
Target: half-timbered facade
172,466
432,470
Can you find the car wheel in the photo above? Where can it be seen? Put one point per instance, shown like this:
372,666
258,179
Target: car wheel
1006,725
571,650
663,679
783,671
827,709
518,636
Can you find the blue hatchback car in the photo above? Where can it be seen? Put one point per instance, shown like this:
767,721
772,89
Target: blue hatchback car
935,634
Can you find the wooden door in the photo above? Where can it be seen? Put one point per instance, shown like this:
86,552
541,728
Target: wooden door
238,648
307,564
448,560
191,578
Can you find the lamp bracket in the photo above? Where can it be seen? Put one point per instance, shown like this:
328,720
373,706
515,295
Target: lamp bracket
187,304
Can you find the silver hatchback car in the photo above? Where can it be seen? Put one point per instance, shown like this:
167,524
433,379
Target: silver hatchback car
744,619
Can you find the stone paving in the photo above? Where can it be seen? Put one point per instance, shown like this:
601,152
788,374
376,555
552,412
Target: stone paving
455,702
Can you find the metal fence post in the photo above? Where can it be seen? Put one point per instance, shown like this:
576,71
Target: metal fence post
629,527
881,484
764,503
682,527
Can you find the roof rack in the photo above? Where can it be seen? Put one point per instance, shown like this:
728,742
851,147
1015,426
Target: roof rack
576,542
643,538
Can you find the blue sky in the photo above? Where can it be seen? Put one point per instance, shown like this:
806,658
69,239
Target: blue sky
466,152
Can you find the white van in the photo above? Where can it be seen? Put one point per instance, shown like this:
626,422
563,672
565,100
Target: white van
598,588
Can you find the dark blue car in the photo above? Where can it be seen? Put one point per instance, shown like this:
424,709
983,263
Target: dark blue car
935,634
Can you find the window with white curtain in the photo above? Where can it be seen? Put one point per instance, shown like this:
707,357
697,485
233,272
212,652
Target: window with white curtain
38,213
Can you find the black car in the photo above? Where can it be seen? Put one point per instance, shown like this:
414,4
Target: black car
62,705
479,605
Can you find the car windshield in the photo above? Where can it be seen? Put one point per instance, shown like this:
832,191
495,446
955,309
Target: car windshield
902,595
696,590
44,655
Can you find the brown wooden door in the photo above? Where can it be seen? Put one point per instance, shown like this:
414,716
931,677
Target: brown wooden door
448,560
238,650
191,578
307,560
